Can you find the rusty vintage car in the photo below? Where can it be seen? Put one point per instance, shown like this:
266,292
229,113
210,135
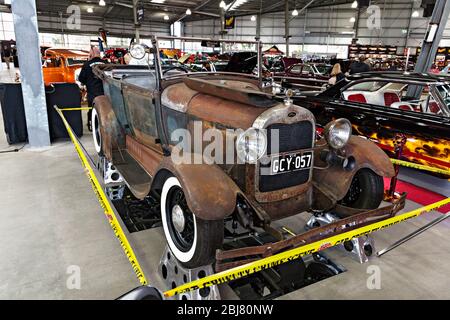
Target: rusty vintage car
63,65
134,125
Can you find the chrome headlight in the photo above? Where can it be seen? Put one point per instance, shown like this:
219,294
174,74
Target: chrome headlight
251,145
137,51
338,132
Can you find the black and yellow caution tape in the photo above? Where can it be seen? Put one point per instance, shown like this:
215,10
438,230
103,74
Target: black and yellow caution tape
102,198
283,257
76,109
420,167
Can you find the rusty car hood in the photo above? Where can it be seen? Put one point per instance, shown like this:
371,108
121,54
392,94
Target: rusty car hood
231,103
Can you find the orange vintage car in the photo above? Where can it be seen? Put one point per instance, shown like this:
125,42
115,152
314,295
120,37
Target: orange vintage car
63,65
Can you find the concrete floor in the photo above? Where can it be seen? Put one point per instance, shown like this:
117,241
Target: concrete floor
51,220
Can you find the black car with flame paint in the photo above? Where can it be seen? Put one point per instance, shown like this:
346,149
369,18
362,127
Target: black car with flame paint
383,104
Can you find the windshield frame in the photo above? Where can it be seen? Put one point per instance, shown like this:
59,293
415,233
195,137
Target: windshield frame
436,93
162,76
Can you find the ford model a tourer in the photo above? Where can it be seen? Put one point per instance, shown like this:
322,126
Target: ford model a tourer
157,125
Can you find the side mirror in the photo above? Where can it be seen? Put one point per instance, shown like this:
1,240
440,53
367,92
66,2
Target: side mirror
143,293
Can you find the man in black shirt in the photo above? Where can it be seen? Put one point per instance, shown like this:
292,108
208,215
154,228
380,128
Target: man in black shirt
93,84
359,66
7,55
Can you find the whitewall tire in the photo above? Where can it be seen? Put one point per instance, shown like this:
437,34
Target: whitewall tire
96,133
192,241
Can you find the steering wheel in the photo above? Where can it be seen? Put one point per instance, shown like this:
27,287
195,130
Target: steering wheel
176,68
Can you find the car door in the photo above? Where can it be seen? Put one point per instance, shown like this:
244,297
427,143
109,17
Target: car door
139,101
53,70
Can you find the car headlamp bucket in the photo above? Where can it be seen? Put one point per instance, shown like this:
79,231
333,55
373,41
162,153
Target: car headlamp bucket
137,51
338,133
251,145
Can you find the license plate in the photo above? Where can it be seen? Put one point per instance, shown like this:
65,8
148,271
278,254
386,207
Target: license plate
291,162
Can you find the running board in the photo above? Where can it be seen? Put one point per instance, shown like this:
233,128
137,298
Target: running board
136,178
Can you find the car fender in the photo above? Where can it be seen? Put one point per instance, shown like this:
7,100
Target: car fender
335,181
112,133
210,193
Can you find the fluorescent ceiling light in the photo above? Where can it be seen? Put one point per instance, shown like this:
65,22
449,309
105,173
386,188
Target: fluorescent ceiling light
253,18
102,3
295,12
166,17
235,5
158,1
355,4
432,32
348,32
90,10
188,12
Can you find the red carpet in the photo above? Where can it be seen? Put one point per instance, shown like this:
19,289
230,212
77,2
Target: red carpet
418,195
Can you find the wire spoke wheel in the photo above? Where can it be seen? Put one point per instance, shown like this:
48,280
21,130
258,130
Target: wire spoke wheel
366,190
192,240
354,192
180,219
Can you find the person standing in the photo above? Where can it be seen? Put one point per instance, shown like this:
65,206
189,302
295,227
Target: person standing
7,56
359,66
93,84
336,74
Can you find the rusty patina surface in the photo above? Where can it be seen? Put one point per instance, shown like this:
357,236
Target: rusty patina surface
113,136
361,219
209,192
334,182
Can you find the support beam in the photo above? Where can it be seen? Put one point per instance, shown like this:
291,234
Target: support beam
258,27
357,19
286,25
427,55
258,22
429,49
302,9
408,30
197,8
136,23
27,39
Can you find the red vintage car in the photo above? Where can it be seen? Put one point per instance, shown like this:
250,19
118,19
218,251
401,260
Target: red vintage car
116,55
313,75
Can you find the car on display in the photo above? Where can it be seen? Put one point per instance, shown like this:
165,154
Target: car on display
116,55
307,74
276,167
63,65
280,63
381,105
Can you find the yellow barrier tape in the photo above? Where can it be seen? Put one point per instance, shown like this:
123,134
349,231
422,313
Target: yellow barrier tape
283,257
109,212
420,166
76,109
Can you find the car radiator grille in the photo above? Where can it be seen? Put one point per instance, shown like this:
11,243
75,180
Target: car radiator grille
292,137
